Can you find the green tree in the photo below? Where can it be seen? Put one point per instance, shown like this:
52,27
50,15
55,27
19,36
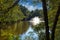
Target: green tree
10,14
13,14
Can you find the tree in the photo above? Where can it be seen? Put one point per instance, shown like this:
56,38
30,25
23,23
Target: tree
46,19
54,8
6,2
9,15
13,13
55,23
24,10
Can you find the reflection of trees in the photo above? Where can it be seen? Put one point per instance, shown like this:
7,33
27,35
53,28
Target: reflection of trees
28,38
14,29
42,36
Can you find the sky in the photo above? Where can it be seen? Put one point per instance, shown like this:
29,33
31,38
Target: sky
34,35
30,6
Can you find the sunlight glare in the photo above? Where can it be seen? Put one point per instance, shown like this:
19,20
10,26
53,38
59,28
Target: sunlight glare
36,20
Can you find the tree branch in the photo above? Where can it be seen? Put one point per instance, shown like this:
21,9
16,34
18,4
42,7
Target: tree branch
14,4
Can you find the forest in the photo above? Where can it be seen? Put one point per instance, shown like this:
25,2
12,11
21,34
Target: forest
14,19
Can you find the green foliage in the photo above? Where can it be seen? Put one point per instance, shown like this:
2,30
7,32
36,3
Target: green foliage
12,30
25,11
51,16
54,4
18,13
10,37
4,4
35,13
13,15
8,28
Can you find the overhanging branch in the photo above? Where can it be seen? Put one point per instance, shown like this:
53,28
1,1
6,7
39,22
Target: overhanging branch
14,4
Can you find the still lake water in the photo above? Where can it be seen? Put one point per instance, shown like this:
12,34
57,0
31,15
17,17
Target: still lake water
23,29
30,34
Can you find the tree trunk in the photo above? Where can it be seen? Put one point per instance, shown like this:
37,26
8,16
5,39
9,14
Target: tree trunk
55,23
45,18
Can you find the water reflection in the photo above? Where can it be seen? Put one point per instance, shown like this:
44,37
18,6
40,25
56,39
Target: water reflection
10,30
29,35
23,29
